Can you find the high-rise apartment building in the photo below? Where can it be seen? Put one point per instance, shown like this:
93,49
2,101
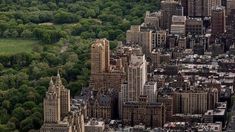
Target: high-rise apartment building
153,20
190,102
58,116
218,20
155,58
170,8
201,8
194,26
195,102
198,8
178,25
103,74
137,77
161,38
141,37
100,56
150,90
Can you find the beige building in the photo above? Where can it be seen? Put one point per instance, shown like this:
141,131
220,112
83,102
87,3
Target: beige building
155,58
103,74
143,38
160,38
58,116
100,56
95,126
150,114
153,20
178,25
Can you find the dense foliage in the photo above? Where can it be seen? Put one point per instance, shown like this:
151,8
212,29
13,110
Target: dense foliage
24,77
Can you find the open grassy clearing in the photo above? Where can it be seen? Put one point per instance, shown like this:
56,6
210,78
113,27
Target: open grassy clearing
14,46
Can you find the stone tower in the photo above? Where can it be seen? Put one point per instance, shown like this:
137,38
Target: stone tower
51,105
56,106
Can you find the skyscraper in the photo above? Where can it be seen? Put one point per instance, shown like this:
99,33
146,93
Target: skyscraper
141,37
169,8
201,8
137,77
100,56
51,105
56,102
103,74
58,116
198,8
218,20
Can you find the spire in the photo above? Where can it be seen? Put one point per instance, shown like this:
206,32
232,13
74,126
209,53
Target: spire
51,86
58,81
58,74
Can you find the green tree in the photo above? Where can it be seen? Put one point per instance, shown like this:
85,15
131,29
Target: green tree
19,113
26,34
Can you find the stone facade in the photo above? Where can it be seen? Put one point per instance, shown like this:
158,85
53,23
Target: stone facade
150,114
100,107
142,37
103,74
58,116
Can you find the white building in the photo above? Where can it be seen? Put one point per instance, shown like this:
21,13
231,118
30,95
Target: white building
137,77
150,89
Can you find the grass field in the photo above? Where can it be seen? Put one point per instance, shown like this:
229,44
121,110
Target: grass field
13,46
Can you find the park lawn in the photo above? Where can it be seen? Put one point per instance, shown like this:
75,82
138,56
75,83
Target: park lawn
14,46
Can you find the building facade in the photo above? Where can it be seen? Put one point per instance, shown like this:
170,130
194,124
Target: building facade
218,20
95,126
190,102
194,26
103,74
170,8
201,8
58,116
137,77
150,114
168,103
150,90
100,107
178,25
143,38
